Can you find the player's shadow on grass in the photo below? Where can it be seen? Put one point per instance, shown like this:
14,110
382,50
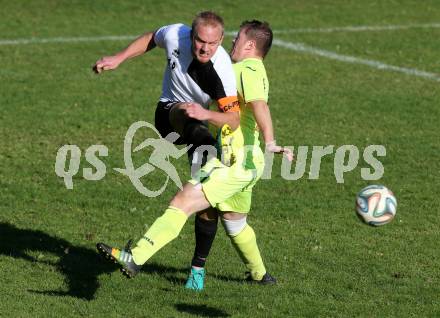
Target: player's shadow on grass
201,310
80,266
167,272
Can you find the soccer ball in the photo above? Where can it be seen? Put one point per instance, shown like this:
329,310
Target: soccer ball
376,205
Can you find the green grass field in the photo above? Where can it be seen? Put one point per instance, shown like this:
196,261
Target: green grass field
327,262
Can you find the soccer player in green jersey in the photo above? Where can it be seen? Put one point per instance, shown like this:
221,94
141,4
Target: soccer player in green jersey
251,45
224,183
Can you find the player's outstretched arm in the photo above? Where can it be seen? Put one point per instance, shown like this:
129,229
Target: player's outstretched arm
218,119
264,121
139,46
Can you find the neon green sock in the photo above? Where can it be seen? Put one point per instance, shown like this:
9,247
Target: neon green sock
165,229
245,243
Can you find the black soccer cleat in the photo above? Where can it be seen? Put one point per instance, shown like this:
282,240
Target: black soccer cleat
266,280
122,257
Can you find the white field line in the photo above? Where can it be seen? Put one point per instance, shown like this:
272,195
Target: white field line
230,33
361,28
67,39
298,47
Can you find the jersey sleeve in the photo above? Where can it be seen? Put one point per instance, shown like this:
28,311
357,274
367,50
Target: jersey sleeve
254,85
160,36
228,100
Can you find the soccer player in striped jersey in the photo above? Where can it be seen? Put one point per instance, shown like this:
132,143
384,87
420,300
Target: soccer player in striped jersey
198,70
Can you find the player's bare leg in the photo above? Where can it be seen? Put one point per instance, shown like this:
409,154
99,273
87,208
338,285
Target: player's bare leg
166,228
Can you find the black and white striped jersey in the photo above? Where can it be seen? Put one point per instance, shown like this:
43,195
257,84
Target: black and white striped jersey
186,79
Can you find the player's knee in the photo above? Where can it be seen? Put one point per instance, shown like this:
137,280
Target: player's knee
182,201
190,200
178,118
210,214
234,227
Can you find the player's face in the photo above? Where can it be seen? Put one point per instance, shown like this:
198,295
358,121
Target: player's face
206,40
238,47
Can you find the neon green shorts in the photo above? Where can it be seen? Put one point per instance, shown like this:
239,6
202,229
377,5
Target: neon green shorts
228,188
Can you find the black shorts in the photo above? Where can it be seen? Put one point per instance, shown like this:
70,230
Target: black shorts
162,120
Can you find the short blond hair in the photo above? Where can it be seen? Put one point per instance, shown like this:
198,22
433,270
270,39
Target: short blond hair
207,18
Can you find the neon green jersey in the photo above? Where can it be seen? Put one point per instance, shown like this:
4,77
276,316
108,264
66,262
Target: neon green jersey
252,85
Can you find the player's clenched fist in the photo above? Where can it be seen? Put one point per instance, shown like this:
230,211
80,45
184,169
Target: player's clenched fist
196,111
106,63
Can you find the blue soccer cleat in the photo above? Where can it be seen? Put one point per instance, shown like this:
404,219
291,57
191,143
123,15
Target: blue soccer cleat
196,279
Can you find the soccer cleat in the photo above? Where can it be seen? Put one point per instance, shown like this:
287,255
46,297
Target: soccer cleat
122,257
266,280
196,279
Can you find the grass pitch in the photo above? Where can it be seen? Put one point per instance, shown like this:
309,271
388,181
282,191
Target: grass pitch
327,262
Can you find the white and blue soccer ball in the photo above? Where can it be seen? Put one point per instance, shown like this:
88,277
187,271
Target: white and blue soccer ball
376,205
